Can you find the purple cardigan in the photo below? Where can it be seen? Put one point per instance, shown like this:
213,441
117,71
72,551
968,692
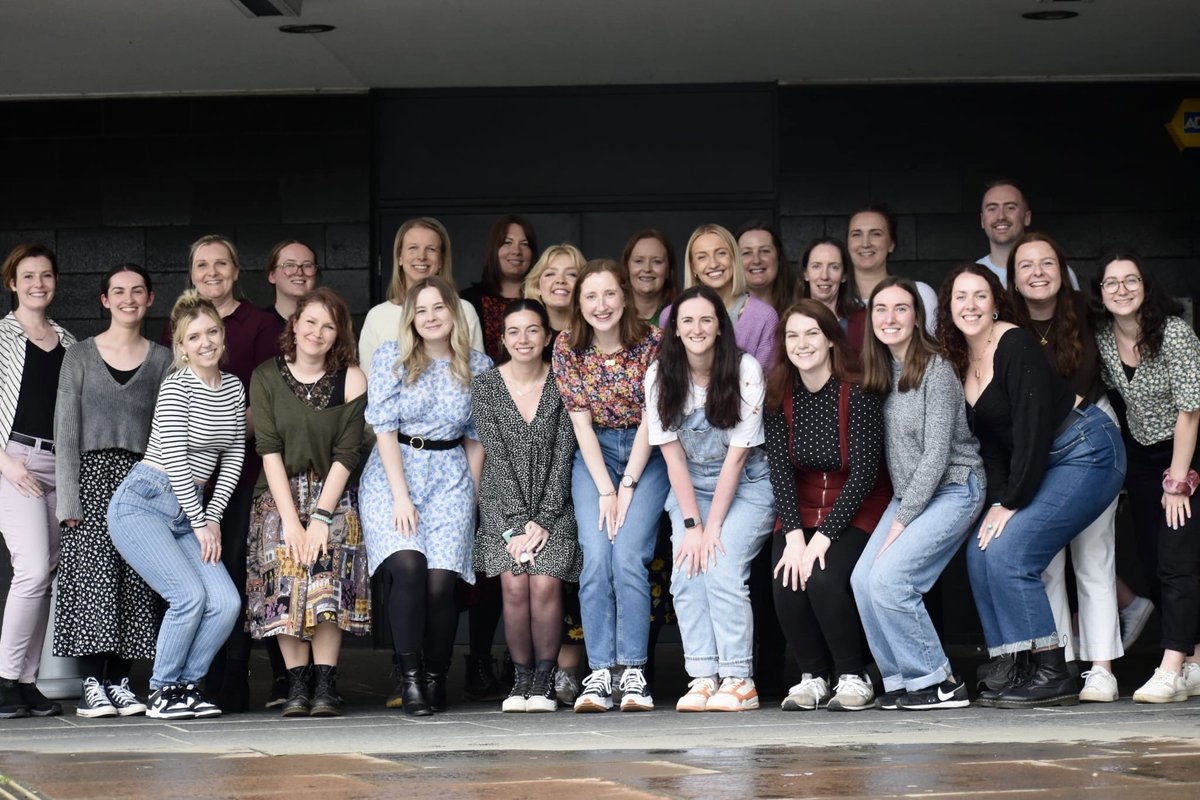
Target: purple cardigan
754,330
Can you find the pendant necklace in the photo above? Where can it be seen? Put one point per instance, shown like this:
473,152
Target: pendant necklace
1042,334
977,360
539,382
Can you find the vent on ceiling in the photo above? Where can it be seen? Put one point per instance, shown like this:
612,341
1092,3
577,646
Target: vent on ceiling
268,8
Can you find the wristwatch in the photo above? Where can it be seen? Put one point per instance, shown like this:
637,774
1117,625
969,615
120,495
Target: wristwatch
628,482
691,522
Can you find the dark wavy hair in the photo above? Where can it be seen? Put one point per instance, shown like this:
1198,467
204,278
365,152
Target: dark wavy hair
954,344
1157,304
848,300
670,286
1069,333
344,352
129,266
523,304
784,289
843,361
632,327
722,406
877,357
495,238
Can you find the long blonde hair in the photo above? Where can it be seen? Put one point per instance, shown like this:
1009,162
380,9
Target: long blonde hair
396,289
738,281
412,347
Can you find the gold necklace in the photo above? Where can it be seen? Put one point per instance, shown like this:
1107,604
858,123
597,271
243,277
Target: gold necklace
1042,334
981,355
541,381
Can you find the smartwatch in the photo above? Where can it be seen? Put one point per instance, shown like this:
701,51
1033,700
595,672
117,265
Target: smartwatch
628,482
691,522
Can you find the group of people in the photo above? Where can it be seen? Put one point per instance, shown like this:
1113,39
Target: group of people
528,449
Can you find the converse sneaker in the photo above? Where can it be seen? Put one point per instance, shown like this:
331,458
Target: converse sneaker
167,702
635,694
123,698
1191,678
947,694
94,702
810,693
1099,686
1133,619
542,696
200,705
852,694
516,701
698,693
735,694
566,687
1164,686
596,694
887,701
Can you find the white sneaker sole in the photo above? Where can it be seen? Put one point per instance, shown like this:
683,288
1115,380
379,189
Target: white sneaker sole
588,705
630,703
1138,697
96,713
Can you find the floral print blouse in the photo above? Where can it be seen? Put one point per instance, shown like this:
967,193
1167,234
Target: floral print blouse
609,386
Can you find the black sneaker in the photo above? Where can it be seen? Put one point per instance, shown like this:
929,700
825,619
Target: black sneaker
123,698
596,694
39,704
542,694
200,705
94,701
887,700
167,702
947,694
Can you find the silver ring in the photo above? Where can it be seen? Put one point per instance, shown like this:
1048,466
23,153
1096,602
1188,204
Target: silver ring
990,526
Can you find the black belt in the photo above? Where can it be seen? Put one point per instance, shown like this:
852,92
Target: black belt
421,443
29,441
1068,421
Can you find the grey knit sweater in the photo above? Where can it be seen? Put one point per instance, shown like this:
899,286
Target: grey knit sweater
928,442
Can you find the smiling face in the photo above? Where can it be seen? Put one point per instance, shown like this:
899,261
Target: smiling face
870,241
806,345
213,273
127,298
697,326
202,342
34,283
648,267
825,273
712,261
760,258
971,304
316,331
1004,214
420,254
432,318
1038,275
516,254
893,319
524,336
557,282
601,301
295,272
1122,288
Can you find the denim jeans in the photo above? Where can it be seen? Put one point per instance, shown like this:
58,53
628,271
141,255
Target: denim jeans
716,622
889,589
152,533
614,587
1084,471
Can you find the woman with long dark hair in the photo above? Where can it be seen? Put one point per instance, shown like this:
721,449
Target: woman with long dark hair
1152,357
769,275
1053,463
827,275
704,401
510,251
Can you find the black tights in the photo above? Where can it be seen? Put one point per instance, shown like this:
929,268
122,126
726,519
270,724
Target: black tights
421,608
533,614
104,666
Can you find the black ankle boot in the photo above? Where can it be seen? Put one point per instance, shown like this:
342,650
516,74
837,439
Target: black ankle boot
299,699
12,702
1048,684
39,705
326,701
435,687
412,687
1000,674
482,683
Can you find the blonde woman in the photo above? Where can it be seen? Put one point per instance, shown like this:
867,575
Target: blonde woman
552,282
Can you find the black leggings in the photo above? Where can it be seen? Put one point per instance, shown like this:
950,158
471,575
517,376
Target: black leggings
821,623
104,666
421,608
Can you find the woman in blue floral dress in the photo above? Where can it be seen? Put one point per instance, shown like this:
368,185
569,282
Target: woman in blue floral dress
417,494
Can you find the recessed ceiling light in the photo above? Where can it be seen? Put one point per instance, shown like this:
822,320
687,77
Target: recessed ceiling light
1049,16
305,28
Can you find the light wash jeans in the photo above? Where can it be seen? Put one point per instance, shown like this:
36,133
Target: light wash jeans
889,590
152,533
716,622
1084,472
614,587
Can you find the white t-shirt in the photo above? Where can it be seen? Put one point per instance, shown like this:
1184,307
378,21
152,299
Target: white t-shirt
1002,272
747,433
929,301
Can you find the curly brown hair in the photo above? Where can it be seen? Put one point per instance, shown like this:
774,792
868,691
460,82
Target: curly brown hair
344,352
954,344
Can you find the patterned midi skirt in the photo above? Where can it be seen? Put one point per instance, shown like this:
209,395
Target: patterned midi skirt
286,597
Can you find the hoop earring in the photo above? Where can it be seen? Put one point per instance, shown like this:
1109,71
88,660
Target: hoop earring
995,315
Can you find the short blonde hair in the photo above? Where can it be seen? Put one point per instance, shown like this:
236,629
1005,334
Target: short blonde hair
397,289
552,252
188,307
739,271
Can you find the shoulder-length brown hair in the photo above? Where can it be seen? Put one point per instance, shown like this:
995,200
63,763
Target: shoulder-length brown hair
344,352
396,288
491,259
1068,327
412,347
783,290
848,300
670,287
954,344
633,328
842,361
877,357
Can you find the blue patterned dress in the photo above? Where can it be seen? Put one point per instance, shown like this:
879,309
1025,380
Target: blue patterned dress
436,407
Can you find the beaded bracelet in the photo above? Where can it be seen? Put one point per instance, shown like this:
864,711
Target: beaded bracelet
321,515
1186,486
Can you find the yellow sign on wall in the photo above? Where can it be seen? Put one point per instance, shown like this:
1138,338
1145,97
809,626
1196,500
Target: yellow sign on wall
1184,127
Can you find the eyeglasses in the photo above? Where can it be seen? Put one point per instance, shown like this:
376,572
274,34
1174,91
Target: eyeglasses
1130,282
292,267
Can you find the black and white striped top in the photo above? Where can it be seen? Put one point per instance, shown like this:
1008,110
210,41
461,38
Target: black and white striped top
12,366
196,428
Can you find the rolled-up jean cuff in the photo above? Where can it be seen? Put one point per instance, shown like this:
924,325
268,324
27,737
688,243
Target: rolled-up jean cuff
942,673
1040,643
742,668
701,666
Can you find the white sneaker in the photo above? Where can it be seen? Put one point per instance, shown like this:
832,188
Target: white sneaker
1191,678
698,693
735,694
1133,619
852,694
1099,686
809,694
635,695
94,701
1164,686
596,694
